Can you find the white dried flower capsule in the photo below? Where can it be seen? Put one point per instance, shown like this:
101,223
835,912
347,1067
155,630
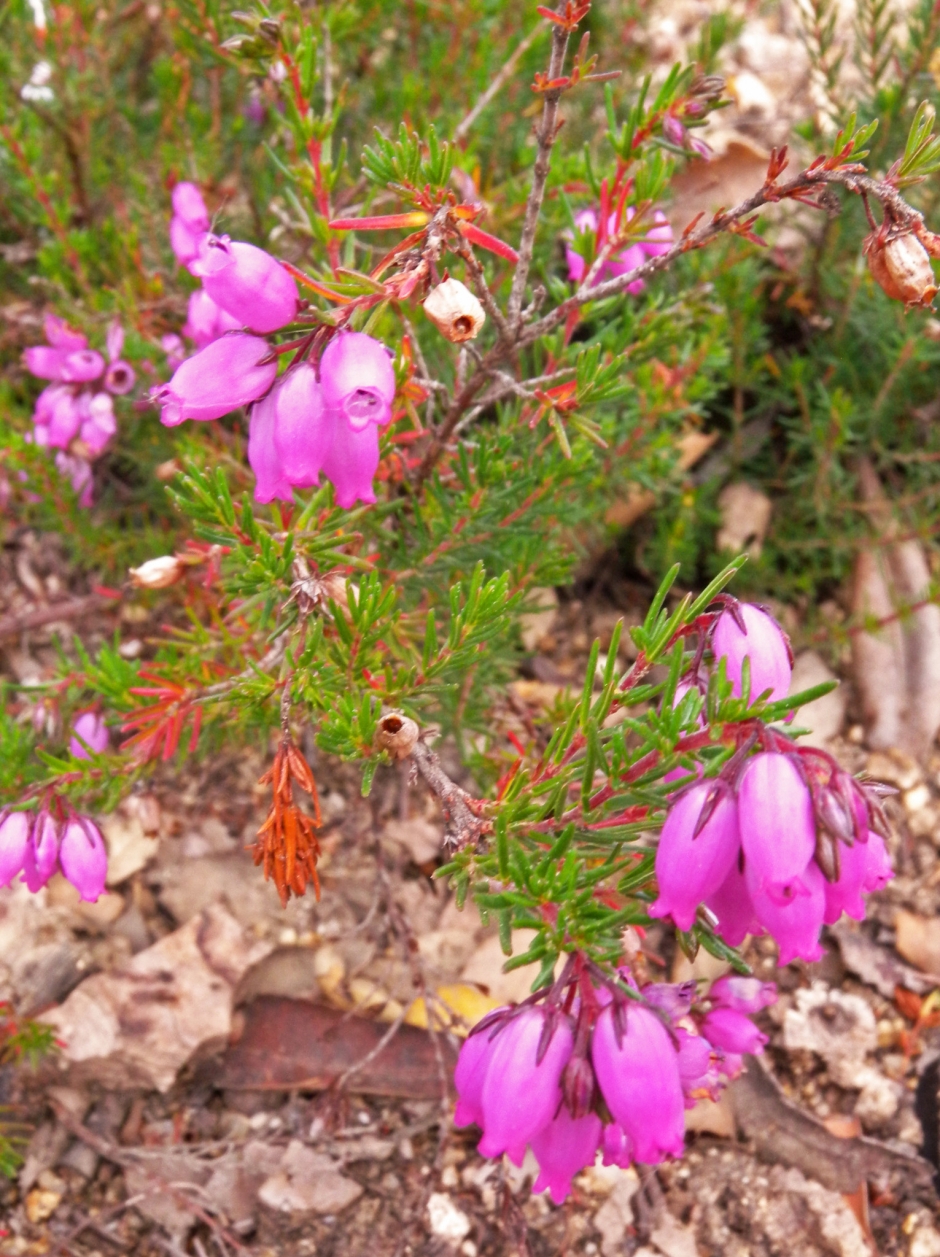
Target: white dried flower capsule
397,734
902,267
157,573
454,311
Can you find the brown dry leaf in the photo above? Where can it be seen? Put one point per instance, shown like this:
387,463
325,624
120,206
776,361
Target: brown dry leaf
918,940
877,660
288,1044
736,169
691,447
745,518
898,672
137,1026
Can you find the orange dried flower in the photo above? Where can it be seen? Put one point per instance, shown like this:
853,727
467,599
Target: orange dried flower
287,841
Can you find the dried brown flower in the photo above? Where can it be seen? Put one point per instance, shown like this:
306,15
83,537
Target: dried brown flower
287,841
901,266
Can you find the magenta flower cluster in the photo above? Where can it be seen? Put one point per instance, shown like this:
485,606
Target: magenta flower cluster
658,240
74,414
612,1074
37,845
314,420
781,841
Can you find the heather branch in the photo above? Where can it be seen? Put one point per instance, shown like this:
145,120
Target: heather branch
771,192
464,826
548,130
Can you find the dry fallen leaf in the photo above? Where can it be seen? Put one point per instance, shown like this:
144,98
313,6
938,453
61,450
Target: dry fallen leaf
745,517
918,940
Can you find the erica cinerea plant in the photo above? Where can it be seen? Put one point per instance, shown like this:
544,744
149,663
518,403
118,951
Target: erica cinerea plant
432,396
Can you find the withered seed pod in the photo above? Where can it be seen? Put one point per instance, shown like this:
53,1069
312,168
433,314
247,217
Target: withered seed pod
901,266
397,734
454,311
157,573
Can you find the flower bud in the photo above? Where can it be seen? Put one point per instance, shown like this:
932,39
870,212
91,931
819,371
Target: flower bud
762,642
250,284
42,852
397,734
638,1074
228,373
693,859
14,835
775,815
83,857
157,573
744,995
902,267
93,732
563,1148
733,1031
352,461
522,1093
454,311
303,427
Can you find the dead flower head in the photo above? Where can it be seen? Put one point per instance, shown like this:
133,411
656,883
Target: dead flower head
901,266
454,311
287,841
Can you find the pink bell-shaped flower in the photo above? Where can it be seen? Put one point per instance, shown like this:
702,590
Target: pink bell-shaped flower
42,852
119,377
83,857
731,904
352,462
521,1094
878,870
775,816
189,223
733,1031
14,836
92,730
358,379
794,918
693,1057
78,472
227,374
563,1148
61,336
82,366
845,894
65,418
247,282
762,642
659,239
205,321
75,366
99,424
616,1146
639,1080
270,481
304,428
470,1075
691,865
584,220
744,995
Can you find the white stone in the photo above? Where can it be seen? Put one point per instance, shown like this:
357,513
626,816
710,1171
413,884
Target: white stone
447,1221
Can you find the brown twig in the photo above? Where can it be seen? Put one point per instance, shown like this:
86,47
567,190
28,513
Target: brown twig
547,132
807,181
74,609
461,810
126,1159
